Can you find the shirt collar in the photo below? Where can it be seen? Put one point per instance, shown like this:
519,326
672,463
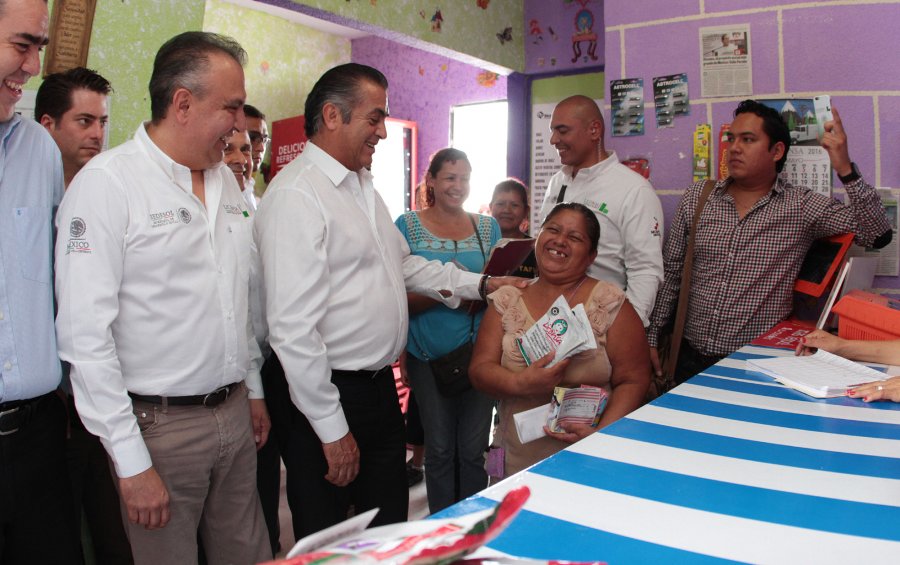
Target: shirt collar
594,170
175,171
8,127
779,186
331,167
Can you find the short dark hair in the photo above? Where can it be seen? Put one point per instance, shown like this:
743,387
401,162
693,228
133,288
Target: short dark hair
253,112
593,224
512,185
773,125
54,96
437,161
339,86
3,6
182,62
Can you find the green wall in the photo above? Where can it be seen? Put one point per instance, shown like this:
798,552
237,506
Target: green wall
124,40
552,90
284,59
466,27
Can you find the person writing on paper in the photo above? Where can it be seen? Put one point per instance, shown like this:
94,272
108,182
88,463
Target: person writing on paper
565,247
887,352
456,427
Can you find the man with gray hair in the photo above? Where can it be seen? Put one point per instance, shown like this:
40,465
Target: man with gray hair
36,518
336,274
153,279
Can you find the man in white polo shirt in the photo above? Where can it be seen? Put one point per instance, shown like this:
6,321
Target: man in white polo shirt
627,207
153,269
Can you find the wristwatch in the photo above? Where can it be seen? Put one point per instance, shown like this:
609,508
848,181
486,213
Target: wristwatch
852,176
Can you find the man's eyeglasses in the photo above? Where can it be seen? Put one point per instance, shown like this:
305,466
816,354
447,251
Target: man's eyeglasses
257,137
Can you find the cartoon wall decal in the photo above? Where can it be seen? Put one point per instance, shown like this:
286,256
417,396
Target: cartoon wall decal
486,79
436,21
584,32
563,35
483,4
505,35
534,30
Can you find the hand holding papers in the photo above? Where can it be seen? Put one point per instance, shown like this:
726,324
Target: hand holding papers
562,329
821,375
582,405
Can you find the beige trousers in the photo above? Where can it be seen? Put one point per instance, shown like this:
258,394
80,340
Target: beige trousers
207,460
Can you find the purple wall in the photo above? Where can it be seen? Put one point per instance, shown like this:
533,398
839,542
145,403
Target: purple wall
424,86
844,51
550,26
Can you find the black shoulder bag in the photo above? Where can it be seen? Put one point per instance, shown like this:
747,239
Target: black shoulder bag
451,372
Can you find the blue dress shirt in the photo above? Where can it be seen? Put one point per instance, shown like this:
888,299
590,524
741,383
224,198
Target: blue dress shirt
31,186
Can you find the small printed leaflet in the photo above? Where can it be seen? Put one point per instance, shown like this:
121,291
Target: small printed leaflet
582,405
419,542
562,329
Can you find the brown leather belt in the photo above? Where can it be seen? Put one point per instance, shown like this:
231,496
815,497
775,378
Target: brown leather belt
210,400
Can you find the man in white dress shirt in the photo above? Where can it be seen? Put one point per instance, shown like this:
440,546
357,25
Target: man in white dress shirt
153,271
627,207
336,273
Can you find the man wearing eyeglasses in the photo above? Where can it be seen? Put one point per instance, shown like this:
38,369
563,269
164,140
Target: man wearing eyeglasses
259,140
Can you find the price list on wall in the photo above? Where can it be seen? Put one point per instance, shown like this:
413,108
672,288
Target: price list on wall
544,160
808,166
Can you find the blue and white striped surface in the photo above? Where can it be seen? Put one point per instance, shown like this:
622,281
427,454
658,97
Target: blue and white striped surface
730,466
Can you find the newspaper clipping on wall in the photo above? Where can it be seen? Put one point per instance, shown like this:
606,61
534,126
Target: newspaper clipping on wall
725,63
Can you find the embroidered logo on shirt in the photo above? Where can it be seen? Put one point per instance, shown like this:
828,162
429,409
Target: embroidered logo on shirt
654,231
159,219
603,209
232,209
77,243
184,215
77,228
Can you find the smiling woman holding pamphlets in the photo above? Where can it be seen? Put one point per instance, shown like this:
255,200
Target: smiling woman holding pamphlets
620,364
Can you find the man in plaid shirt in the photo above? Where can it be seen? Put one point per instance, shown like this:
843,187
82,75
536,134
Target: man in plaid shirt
752,237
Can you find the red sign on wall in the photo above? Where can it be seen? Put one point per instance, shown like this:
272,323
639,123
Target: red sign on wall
288,141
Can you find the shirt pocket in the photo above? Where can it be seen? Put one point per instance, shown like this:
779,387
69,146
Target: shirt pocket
242,242
34,232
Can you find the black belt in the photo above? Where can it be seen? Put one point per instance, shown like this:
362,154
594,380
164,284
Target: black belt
210,400
341,376
16,413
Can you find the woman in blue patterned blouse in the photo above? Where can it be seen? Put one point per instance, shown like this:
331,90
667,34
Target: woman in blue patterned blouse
456,427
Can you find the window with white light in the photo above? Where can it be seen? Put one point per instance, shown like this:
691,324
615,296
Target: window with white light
480,131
